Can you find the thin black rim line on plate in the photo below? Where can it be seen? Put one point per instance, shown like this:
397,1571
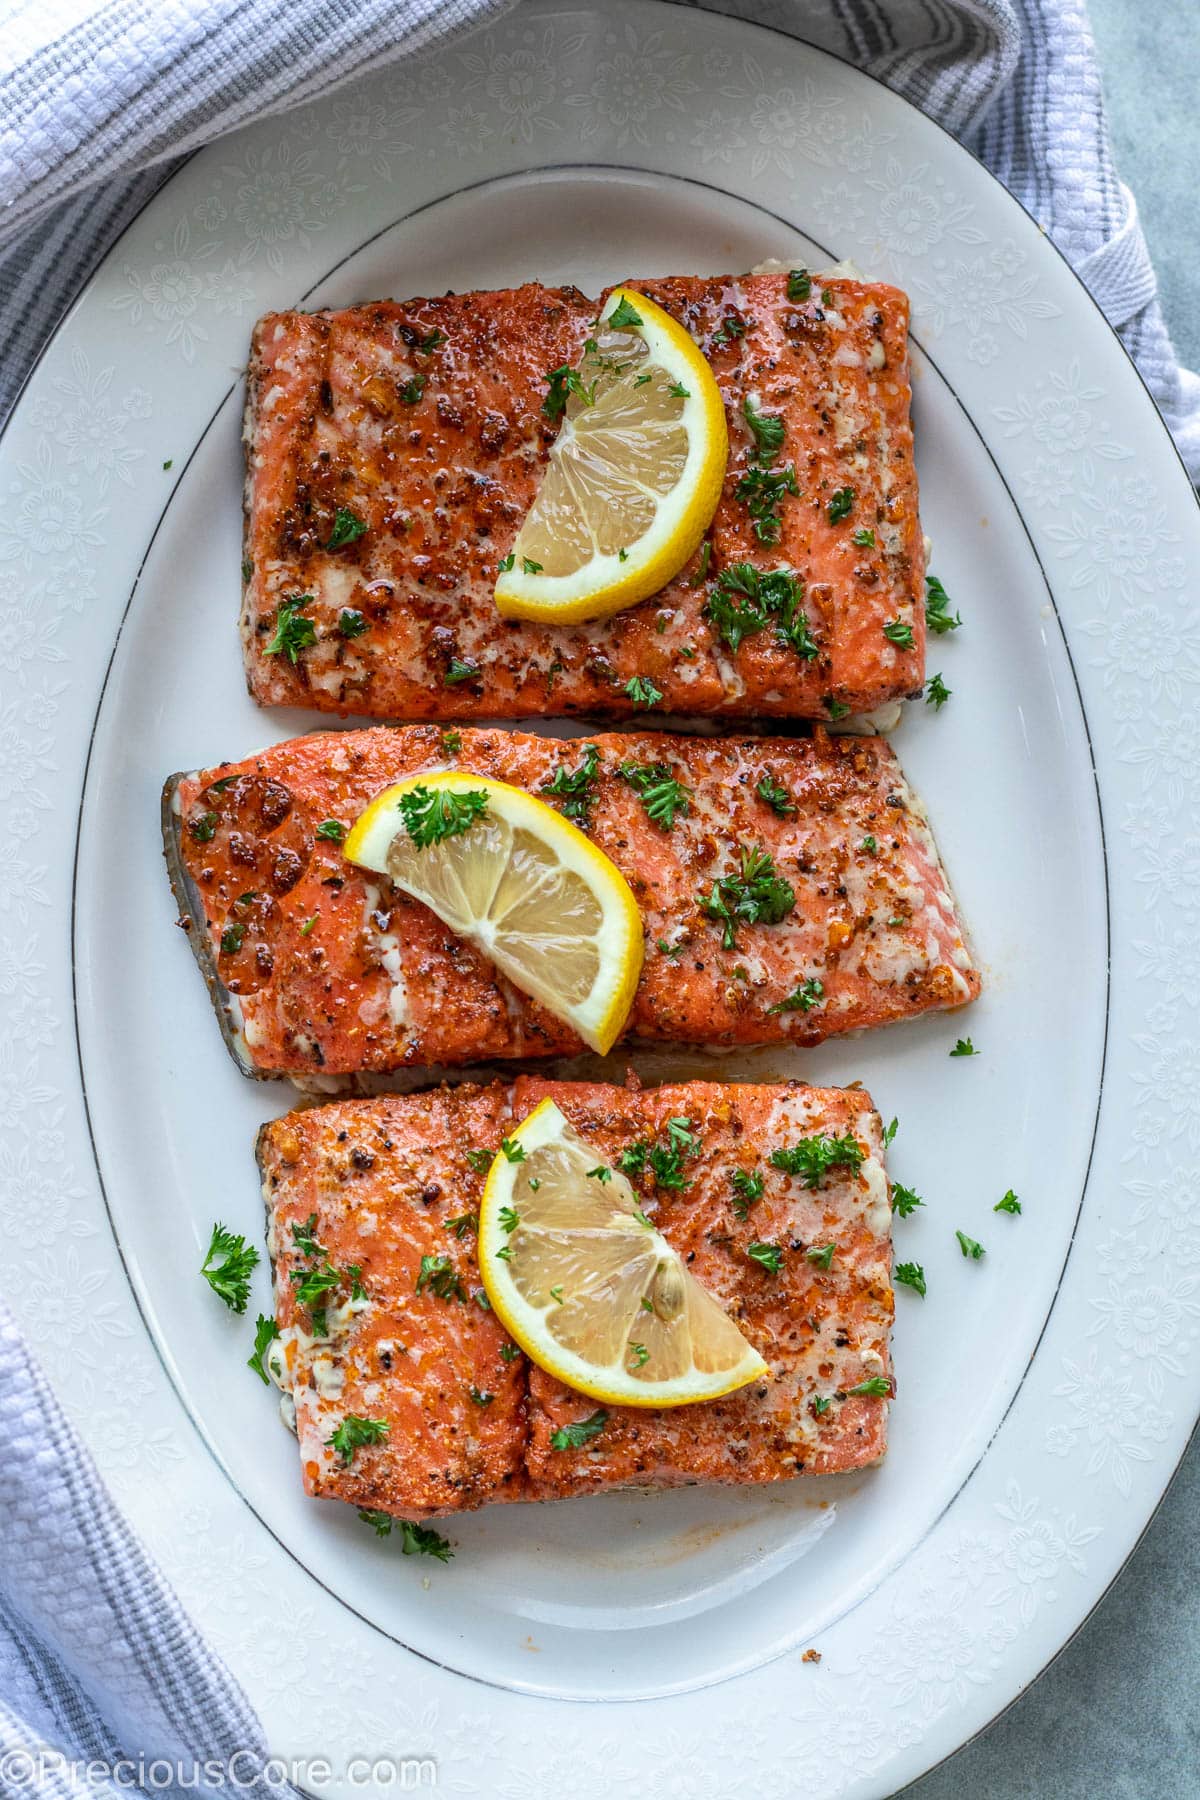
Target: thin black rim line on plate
749,1666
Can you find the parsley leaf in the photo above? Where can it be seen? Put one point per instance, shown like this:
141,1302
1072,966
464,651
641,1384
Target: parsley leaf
864,537
265,1333
355,1433
640,1355
623,315
937,693
333,829
412,390
756,895
969,1246
890,1134
575,789
841,505
875,1384
228,1265
293,632
745,600
203,827
821,1256
775,795
767,430
748,1187
462,1224
642,691
905,1200
899,633
513,1152
458,670
763,490
438,1274
574,1437
813,1157
347,528
1009,1204
432,815
810,993
938,616
664,1161
351,623
964,1047
910,1275
302,1237
657,789
799,284
768,1256
565,381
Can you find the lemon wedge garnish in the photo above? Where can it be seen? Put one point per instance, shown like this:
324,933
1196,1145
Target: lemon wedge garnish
634,474
514,877
585,1284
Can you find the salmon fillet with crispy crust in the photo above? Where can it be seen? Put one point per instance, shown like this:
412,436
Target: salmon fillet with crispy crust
420,427
383,1193
318,968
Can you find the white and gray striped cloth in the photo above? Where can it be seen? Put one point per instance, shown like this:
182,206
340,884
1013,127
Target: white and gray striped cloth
98,101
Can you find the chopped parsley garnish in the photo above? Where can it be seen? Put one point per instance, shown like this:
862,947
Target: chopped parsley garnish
463,1223
964,1047
601,1173
729,329
513,1152
509,1352
351,623
433,814
870,846
659,792
510,1218
763,490
312,1285
664,1161
898,633
480,1160
640,1355
803,998
355,1433
767,430
530,567
841,505
431,340
701,574
416,1540
302,1237
756,895
820,1404
799,284
748,1187
671,951
333,829
905,1200
642,691
677,391
768,1256
623,315
837,708
556,1294
775,795
232,939
347,528
1009,1204
969,1247
451,743
938,616
506,563
821,1255
563,382
438,1274
293,632
203,827
864,537
481,1397
574,1437
890,1134
412,390
910,1275
308,924
745,600
875,1384
575,789
937,693
458,670
813,1157
265,1333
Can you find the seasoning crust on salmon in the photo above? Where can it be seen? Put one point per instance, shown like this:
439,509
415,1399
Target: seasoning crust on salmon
318,967
382,1194
394,449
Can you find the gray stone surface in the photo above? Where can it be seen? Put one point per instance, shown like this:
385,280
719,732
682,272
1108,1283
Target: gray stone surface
1117,1716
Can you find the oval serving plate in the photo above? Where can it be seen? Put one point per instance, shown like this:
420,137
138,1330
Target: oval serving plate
1045,1394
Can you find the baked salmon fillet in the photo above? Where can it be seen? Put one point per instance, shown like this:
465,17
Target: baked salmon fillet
318,968
393,450
407,1395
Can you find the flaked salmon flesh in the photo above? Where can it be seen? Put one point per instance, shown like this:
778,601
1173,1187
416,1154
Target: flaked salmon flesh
393,450
458,1417
319,968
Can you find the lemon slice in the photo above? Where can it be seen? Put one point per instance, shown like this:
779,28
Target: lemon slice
634,474
514,877
589,1288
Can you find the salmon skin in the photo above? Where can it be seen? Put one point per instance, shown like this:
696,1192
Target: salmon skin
319,968
393,450
368,1188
